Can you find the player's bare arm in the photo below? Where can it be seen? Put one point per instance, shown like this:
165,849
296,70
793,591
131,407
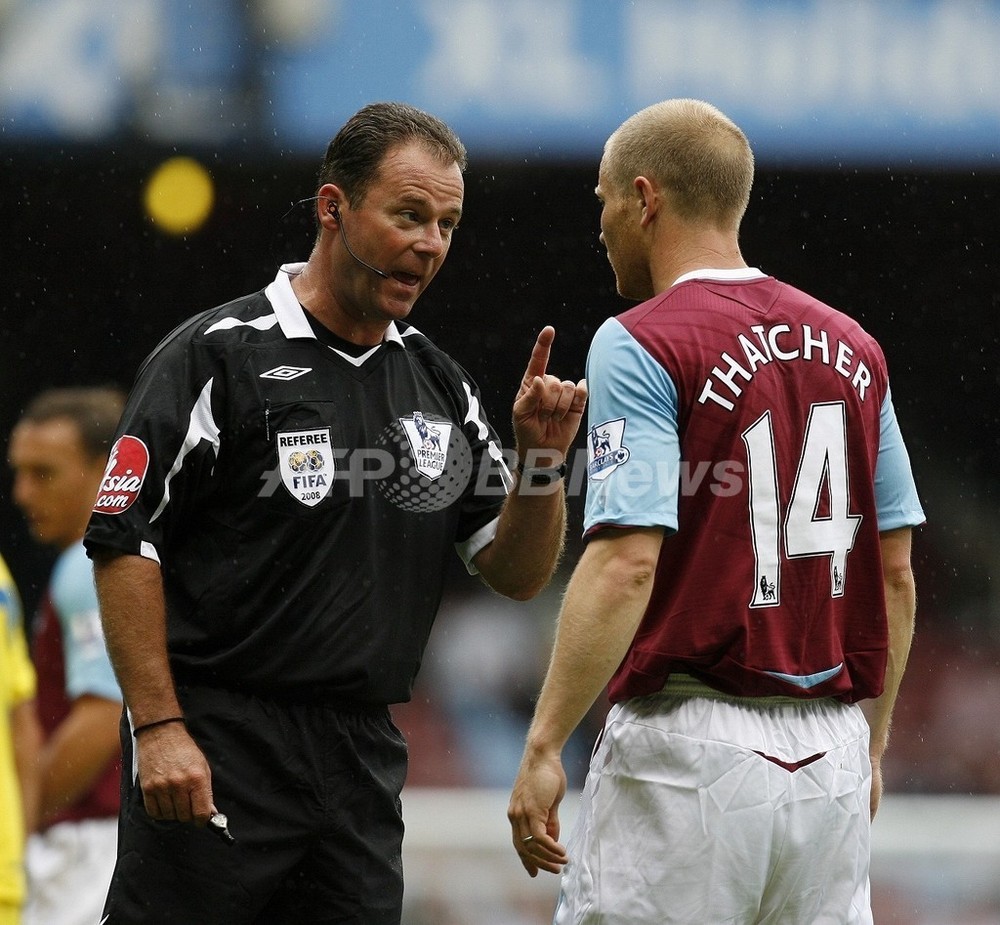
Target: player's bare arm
529,540
604,604
26,732
75,755
173,772
900,605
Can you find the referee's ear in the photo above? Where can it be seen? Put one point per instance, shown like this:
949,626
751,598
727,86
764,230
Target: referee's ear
329,201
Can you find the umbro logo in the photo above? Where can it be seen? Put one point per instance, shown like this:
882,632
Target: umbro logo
284,373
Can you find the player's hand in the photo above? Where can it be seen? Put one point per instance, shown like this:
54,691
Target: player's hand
547,411
876,796
534,814
174,775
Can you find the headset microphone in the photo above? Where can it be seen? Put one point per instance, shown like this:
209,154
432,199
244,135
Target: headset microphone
335,212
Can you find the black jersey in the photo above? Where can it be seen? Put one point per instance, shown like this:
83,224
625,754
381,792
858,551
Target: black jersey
302,501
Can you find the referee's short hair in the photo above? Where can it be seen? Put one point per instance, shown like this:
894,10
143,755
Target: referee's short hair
355,154
95,412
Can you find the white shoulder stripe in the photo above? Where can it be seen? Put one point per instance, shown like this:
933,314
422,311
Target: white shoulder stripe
474,415
474,412
201,426
264,323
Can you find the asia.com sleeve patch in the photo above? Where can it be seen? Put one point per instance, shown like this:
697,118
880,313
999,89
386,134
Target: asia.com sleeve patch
123,477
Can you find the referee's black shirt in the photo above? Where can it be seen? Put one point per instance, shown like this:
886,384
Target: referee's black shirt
302,499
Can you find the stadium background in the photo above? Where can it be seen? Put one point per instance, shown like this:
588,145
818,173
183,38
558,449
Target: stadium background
876,127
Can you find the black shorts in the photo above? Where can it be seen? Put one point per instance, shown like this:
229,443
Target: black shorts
311,791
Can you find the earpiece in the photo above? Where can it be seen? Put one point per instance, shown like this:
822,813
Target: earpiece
334,210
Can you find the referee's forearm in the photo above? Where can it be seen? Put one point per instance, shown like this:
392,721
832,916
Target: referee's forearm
529,541
133,615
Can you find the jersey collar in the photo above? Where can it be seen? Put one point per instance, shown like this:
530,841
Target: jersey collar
737,274
292,316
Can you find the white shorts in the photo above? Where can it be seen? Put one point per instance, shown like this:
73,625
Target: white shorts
688,818
69,870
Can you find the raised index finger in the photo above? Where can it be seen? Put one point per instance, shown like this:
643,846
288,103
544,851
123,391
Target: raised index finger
539,360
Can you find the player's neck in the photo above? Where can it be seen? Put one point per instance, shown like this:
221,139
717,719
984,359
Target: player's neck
708,250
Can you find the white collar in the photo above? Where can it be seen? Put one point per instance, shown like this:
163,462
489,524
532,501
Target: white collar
738,273
292,316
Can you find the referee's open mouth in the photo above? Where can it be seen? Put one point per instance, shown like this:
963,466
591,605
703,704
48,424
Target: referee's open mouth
407,279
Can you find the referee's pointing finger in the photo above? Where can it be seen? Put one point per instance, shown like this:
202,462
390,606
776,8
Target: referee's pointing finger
538,363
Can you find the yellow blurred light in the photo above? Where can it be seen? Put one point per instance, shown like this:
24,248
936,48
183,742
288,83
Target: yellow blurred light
179,195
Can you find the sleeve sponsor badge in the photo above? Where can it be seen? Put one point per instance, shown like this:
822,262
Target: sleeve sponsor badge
123,476
307,464
605,449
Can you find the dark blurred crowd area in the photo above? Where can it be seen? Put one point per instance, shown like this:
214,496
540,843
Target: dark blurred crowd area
91,286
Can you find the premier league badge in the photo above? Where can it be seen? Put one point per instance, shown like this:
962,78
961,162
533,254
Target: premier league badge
432,463
429,443
605,450
307,464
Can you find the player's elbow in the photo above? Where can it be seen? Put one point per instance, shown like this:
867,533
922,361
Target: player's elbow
632,575
899,582
629,558
897,572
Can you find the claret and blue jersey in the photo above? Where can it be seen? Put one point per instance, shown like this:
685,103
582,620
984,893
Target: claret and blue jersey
755,425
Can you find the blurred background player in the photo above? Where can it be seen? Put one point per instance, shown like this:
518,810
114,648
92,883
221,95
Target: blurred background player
739,617
58,451
19,744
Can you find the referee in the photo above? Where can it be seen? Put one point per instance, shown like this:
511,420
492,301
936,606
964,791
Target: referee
290,475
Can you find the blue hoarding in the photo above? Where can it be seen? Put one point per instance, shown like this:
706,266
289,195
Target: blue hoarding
907,82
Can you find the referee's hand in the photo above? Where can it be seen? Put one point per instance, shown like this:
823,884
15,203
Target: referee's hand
174,775
547,410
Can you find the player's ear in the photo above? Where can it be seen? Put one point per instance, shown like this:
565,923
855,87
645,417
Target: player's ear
647,199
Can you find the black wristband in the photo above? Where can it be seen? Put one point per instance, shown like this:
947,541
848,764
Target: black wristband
158,722
540,475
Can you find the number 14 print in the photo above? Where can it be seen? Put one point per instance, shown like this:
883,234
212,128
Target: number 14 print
807,532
